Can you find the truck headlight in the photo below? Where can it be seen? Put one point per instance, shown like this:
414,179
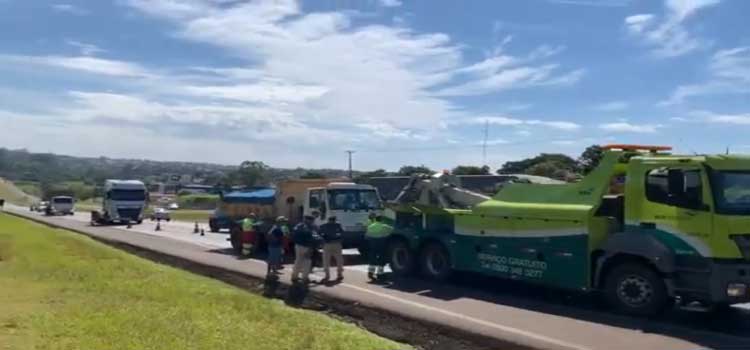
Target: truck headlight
736,290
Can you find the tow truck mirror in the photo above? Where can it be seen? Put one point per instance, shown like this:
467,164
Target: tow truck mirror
676,183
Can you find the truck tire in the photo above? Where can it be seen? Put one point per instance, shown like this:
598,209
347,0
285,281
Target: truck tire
213,228
635,289
234,238
435,262
400,258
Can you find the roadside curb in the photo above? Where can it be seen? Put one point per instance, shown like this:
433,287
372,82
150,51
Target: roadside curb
383,322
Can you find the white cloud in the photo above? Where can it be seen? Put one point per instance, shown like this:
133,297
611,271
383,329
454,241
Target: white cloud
407,71
70,9
734,119
81,63
625,127
302,79
507,121
85,48
729,72
669,37
595,3
391,3
612,106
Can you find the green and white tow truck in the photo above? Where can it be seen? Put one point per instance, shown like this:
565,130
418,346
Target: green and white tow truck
645,228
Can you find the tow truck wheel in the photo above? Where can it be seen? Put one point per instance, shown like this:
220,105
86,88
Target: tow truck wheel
401,258
635,289
213,228
435,262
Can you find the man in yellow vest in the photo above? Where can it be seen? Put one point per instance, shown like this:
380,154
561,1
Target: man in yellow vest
248,234
377,237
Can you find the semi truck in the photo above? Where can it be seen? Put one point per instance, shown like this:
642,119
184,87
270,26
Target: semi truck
124,201
646,230
350,203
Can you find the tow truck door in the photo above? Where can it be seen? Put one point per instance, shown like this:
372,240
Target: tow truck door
677,209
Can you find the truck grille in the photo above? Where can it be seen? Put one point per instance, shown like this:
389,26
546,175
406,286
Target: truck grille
128,213
743,243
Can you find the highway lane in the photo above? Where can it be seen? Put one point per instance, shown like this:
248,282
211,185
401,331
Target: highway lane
549,319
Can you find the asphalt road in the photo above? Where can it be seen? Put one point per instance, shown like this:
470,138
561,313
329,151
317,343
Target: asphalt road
526,315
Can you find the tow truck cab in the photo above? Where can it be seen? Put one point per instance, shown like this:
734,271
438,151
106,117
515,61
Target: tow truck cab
690,217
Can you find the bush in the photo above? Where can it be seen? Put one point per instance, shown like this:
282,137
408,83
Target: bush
198,201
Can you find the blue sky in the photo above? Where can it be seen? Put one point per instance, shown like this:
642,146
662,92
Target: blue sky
401,82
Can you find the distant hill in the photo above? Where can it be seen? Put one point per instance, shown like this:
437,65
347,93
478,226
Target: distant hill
21,165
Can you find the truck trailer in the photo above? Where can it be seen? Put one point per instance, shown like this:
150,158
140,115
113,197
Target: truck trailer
645,229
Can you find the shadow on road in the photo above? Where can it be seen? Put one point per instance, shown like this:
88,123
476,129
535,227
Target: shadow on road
586,307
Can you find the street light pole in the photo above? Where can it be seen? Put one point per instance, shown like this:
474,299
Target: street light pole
350,152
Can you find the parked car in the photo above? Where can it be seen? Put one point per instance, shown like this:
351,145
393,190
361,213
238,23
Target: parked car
42,206
174,206
160,214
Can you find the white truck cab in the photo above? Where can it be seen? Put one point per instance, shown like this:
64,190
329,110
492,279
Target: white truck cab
350,203
124,201
61,205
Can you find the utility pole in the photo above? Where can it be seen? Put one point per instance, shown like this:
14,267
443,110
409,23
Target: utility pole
484,144
350,152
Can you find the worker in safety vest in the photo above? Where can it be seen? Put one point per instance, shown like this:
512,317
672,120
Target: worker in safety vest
377,237
248,234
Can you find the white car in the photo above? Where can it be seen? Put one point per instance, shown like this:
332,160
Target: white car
160,214
174,206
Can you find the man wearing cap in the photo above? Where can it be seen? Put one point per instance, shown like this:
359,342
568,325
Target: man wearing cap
331,233
275,240
304,238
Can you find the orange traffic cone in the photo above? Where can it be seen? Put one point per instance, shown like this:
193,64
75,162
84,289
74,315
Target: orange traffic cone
195,230
158,225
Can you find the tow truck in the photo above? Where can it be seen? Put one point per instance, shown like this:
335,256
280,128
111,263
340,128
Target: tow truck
646,229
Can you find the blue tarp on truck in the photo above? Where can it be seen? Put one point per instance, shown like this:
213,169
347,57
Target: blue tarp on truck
256,196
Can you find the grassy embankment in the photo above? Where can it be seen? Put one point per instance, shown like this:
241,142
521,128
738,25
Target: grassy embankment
60,290
13,194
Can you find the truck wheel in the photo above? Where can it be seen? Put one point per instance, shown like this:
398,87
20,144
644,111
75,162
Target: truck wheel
234,238
636,289
213,228
401,258
435,262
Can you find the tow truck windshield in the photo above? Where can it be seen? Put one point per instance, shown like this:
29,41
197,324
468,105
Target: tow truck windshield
732,192
354,200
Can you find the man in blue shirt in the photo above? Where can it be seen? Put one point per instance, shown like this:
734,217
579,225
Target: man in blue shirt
331,233
304,238
275,240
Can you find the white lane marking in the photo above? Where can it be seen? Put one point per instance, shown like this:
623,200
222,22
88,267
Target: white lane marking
506,329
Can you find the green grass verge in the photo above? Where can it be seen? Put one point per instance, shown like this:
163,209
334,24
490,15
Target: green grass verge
89,204
61,290
191,215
